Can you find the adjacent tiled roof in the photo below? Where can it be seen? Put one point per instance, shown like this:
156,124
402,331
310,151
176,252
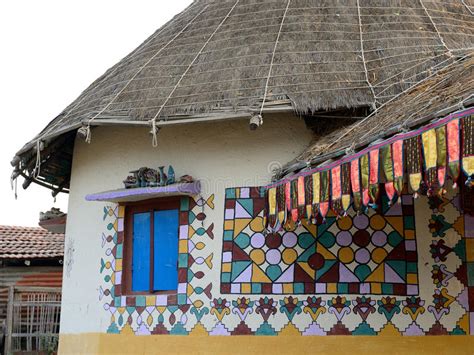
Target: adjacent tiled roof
30,243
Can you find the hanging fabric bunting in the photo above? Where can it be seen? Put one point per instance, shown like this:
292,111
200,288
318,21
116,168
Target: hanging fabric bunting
468,149
413,155
288,197
387,168
324,200
374,176
308,190
281,204
452,132
336,190
364,178
316,180
301,198
398,166
430,153
441,156
346,187
427,156
272,208
355,182
294,200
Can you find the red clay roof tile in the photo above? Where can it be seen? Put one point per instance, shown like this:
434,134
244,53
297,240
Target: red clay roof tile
30,243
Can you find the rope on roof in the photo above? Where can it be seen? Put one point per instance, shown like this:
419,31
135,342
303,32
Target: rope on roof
88,134
374,105
389,101
153,120
260,118
467,7
436,28
407,70
129,57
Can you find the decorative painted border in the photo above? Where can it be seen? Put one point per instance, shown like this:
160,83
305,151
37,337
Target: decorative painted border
448,312
257,197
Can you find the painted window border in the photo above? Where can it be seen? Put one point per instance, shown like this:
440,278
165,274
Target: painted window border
120,296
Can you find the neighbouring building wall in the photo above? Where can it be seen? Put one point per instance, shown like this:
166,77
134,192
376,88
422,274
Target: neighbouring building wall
401,270
26,276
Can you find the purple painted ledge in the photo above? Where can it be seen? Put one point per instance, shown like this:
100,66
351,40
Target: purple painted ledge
145,193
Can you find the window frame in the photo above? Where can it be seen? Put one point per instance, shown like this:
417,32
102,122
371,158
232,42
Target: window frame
152,205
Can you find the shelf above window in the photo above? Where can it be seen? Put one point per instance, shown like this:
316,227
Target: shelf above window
146,193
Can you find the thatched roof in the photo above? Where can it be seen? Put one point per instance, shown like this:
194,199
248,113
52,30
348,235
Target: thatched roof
222,58
448,90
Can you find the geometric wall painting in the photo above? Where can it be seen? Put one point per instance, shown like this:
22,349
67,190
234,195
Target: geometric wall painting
373,253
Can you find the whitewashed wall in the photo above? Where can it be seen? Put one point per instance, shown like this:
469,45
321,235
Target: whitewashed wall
221,155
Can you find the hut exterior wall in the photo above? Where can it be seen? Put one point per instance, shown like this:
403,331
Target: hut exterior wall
416,255
219,155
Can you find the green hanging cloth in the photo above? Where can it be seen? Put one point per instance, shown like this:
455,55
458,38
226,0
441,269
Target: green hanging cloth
387,169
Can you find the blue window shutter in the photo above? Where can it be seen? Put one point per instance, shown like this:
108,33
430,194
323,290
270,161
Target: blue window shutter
141,252
165,275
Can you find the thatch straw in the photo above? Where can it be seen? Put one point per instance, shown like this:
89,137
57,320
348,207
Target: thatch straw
318,61
449,90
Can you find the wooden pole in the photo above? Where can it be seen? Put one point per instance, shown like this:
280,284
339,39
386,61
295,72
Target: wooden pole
8,339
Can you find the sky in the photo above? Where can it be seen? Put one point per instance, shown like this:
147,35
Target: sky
51,50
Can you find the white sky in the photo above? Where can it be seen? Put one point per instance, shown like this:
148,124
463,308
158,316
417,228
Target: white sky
51,50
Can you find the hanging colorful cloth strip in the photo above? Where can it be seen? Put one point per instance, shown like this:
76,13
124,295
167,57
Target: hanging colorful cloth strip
387,168
281,204
336,190
308,190
452,132
272,207
468,149
355,182
439,150
346,187
374,175
430,153
413,163
316,180
398,166
294,200
441,156
324,200
364,178
301,198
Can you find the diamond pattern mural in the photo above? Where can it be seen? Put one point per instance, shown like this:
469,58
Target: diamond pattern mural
373,253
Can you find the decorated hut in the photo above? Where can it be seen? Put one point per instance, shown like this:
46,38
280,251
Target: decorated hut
286,168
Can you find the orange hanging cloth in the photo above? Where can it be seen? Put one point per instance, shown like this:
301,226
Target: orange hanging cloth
398,166
374,176
454,150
